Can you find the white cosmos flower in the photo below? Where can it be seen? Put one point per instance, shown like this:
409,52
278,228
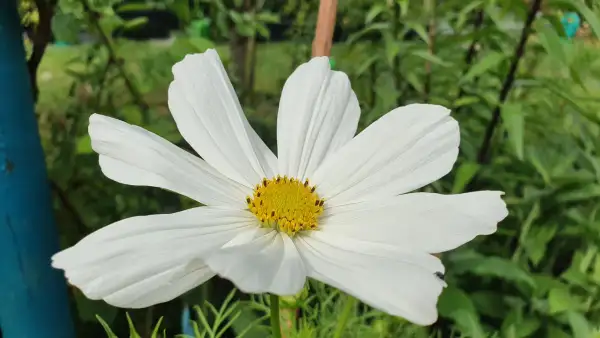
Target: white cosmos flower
346,217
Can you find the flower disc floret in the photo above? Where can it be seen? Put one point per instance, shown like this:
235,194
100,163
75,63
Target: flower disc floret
286,204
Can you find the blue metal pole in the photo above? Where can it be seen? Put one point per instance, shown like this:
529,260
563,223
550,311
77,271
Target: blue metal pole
33,297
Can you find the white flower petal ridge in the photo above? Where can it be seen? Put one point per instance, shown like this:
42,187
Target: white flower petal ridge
331,206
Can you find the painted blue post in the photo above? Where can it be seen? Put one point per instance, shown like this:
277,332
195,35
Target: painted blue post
33,297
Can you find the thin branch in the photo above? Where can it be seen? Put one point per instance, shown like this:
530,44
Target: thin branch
40,38
112,55
66,202
325,26
482,156
396,14
472,50
431,30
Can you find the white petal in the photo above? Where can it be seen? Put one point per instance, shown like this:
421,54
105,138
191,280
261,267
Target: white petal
399,283
132,155
404,150
210,118
162,287
318,113
260,261
129,262
420,221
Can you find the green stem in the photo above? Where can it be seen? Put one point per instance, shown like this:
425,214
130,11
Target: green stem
348,307
275,325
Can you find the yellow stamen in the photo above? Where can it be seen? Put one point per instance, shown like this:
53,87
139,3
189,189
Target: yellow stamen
286,204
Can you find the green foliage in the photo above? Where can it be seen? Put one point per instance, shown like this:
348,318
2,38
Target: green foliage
538,276
250,319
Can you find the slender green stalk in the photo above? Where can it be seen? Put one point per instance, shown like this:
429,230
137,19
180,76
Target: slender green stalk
275,325
348,307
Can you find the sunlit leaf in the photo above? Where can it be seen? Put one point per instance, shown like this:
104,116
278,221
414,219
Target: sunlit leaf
374,12
514,121
464,175
84,145
489,61
135,23
430,57
551,40
560,300
579,325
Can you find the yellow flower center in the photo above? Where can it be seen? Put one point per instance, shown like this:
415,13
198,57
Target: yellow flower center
286,204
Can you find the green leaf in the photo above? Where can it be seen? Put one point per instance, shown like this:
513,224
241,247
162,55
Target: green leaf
135,23
545,283
464,175
596,270
498,267
519,327
424,54
465,101
555,331
489,61
528,327
420,30
268,17
392,49
560,300
537,241
84,145
403,6
201,44
156,327
373,13
65,27
262,30
465,13
579,325
366,65
587,192
551,41
132,114
414,81
107,329
456,304
132,331
489,303
246,325
514,121
236,17
376,27
136,7
535,158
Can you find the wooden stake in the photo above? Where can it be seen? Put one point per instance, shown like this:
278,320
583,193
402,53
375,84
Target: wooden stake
324,31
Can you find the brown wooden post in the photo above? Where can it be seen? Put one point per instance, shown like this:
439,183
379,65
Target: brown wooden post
324,31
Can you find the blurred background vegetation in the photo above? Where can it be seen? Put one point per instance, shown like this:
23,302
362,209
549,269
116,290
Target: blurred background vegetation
526,94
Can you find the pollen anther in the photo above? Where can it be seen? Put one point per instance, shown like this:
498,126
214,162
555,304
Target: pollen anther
286,204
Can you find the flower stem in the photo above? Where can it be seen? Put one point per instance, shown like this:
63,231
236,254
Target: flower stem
275,326
348,307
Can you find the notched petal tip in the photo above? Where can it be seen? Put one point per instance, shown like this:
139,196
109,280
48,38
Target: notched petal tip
210,55
57,259
498,205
